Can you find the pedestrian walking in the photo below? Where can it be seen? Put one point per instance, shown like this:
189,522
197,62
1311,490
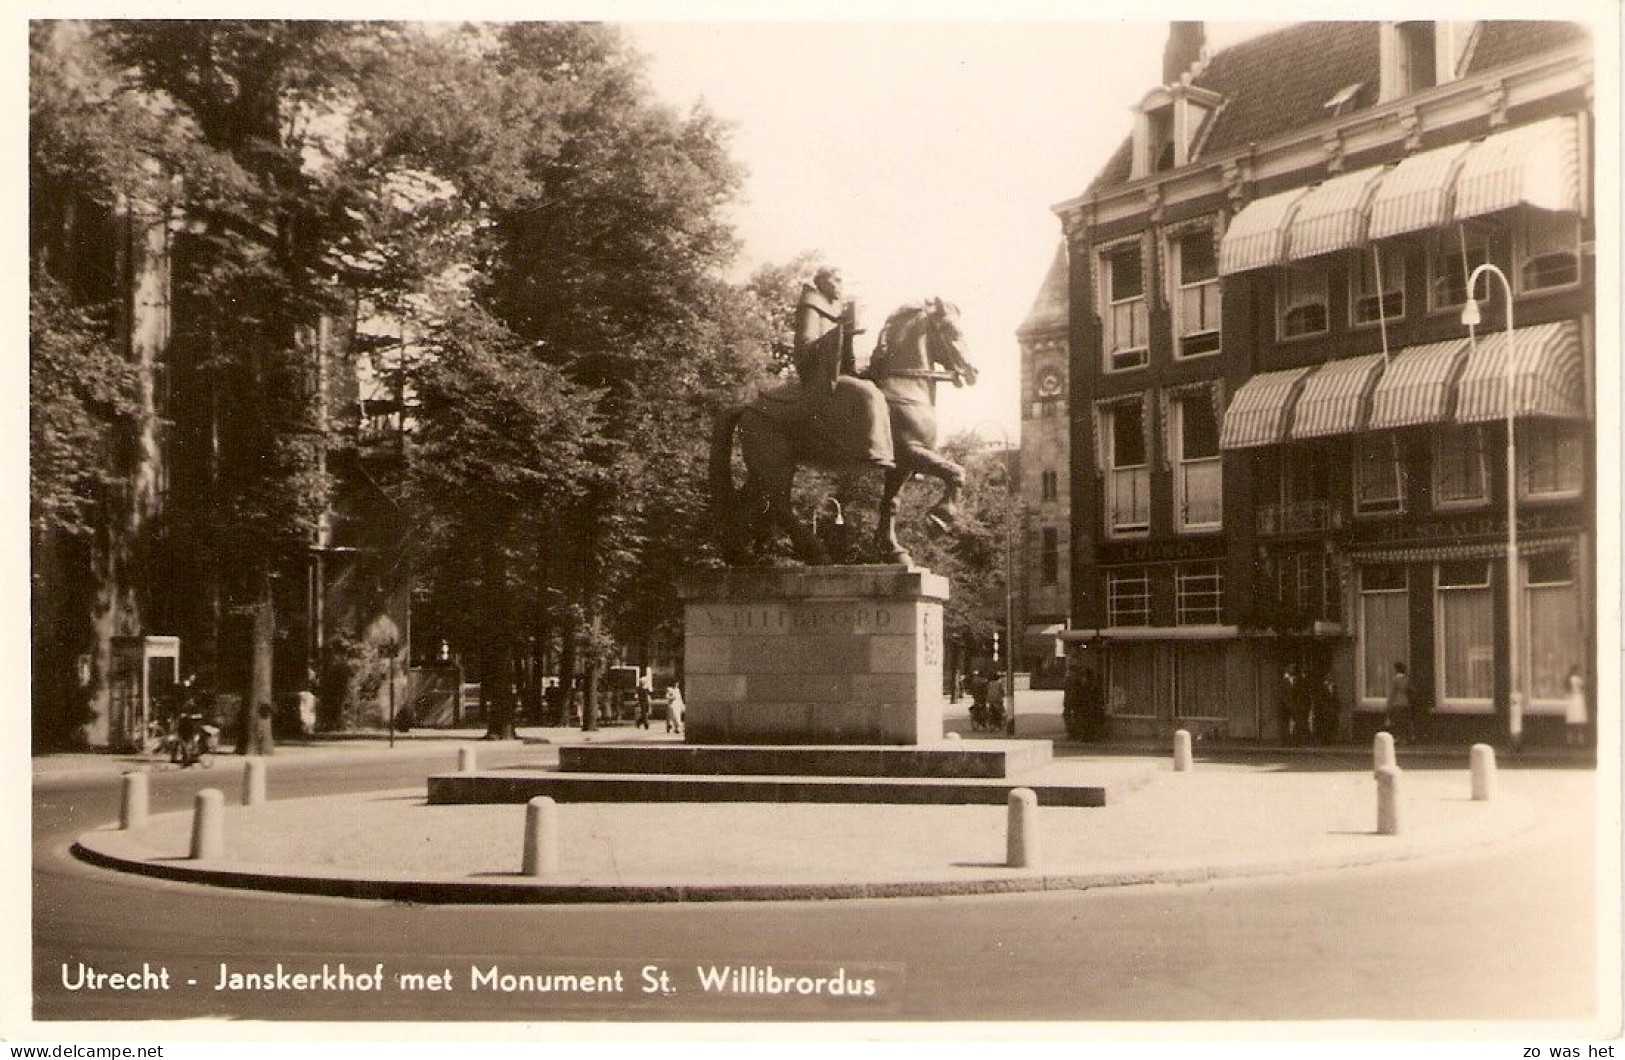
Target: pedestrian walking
1289,704
1325,712
1574,708
674,711
1399,720
644,693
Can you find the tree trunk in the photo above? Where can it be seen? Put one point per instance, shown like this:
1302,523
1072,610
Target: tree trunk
255,734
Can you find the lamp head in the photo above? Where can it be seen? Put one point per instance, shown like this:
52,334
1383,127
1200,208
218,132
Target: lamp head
1470,315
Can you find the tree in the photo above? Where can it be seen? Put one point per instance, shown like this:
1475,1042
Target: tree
250,105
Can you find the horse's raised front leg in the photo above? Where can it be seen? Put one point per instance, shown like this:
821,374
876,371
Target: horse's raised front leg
886,542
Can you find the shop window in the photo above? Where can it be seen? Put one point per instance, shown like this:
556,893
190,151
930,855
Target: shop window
1123,308
1464,615
1368,304
1199,681
1128,597
1199,594
1548,251
1130,471
1301,301
1385,628
1379,479
1460,477
1130,679
1452,257
1198,481
1050,557
1551,458
1195,273
1552,627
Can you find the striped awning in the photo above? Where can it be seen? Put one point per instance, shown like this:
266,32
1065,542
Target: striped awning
1256,239
1334,215
1534,165
1336,398
1258,413
1547,377
1418,193
1417,385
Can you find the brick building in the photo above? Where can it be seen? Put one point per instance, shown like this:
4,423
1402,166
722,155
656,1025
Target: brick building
1285,444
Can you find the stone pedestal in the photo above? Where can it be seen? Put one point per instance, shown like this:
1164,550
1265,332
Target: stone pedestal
814,655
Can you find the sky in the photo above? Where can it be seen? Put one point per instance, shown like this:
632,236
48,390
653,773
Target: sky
922,158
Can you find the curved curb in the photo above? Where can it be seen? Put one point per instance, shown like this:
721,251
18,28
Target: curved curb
109,848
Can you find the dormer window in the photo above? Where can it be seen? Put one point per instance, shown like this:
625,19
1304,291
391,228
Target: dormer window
1417,55
1167,126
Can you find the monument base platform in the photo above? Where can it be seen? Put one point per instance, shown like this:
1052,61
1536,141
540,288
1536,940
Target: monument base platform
971,772
958,758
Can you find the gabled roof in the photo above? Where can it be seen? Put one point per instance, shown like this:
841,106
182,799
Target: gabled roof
1281,81
1049,311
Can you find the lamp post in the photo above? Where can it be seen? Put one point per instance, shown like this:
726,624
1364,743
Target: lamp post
1471,318
1009,582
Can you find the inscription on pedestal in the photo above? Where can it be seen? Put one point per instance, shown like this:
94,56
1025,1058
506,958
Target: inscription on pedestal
823,655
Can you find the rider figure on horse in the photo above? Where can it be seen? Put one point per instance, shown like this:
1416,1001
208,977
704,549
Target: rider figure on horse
829,403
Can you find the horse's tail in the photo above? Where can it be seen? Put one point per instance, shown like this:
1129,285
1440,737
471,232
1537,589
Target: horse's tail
725,506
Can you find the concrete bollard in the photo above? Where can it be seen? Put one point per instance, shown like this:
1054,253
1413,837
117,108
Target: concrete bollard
466,760
1388,784
1182,751
132,811
253,781
541,837
208,824
1382,751
1483,765
1021,845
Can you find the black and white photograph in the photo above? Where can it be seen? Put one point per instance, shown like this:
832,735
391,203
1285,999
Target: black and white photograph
816,522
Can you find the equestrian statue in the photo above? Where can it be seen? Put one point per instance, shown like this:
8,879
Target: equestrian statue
834,417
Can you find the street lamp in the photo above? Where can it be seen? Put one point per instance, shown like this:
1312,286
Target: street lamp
1471,318
1009,583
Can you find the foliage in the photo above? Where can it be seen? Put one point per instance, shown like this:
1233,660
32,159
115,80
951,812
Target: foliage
79,389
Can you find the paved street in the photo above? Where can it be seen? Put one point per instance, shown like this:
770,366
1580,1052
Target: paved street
1505,933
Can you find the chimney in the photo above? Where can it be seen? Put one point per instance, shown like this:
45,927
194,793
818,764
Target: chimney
1184,48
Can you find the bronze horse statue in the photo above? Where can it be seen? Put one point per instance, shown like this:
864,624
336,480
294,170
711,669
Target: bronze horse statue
920,346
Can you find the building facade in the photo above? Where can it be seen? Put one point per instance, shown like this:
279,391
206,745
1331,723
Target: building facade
1287,449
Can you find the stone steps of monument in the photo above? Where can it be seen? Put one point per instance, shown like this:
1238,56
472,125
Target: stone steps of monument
1060,784
959,758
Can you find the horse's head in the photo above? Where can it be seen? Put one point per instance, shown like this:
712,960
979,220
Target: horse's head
946,341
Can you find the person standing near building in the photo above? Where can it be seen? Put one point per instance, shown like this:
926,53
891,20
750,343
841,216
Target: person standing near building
1574,708
995,699
1399,705
644,693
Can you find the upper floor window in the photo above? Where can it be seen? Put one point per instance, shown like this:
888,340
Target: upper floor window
1548,250
1379,479
1551,458
1301,301
1123,308
1050,557
1194,270
1129,470
1302,493
1049,485
1368,304
1199,478
1128,597
1199,594
1459,474
1452,256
